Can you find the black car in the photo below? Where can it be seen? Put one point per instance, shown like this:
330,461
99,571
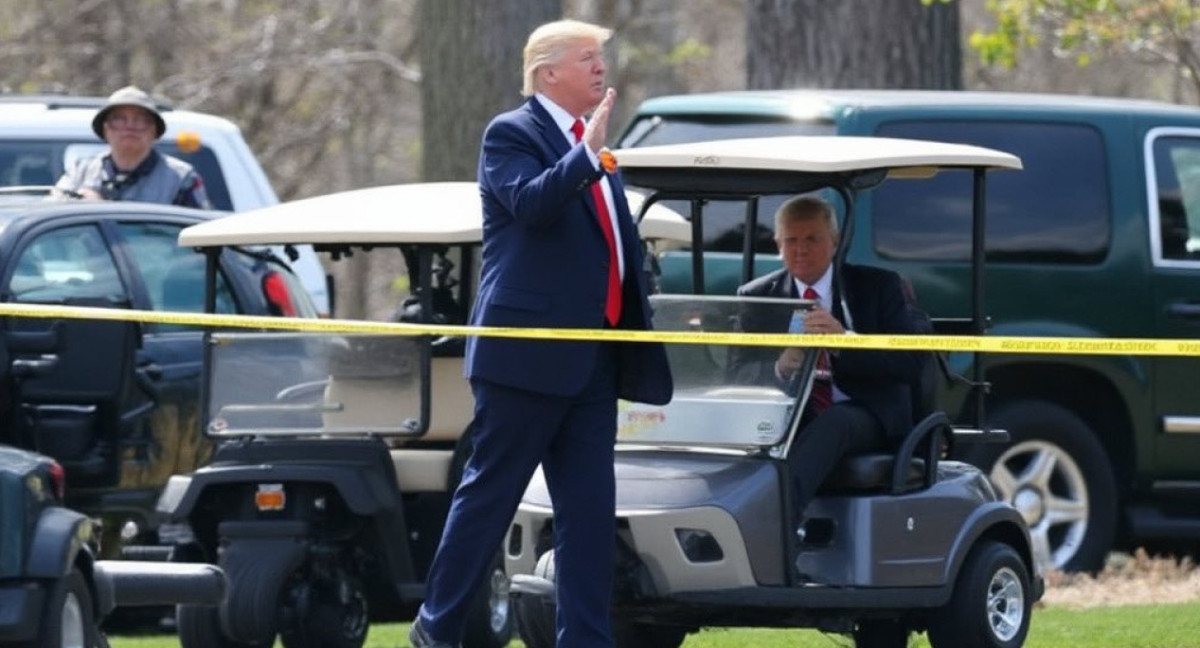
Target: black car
115,403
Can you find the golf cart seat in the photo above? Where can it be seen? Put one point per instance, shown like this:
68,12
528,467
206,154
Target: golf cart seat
878,472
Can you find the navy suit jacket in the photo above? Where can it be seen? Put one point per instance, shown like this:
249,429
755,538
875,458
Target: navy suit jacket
545,264
882,381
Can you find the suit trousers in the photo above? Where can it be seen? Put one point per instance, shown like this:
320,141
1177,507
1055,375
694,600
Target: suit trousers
573,439
843,428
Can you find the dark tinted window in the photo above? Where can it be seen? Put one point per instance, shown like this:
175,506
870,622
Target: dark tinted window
1056,210
1177,180
63,264
41,163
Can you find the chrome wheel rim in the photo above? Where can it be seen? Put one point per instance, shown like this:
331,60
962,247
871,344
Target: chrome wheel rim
72,631
1047,487
1005,604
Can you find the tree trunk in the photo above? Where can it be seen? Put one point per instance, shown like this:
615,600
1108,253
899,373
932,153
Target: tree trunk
853,44
471,69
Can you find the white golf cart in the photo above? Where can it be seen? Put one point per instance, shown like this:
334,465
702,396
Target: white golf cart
894,543
337,453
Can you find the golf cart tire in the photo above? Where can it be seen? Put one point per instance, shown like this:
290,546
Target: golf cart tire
535,614
1062,432
630,634
199,626
881,633
69,613
537,627
981,611
490,620
324,613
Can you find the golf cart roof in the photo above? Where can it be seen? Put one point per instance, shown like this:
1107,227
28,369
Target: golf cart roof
797,164
433,213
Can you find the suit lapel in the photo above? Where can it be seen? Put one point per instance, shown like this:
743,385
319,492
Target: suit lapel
548,130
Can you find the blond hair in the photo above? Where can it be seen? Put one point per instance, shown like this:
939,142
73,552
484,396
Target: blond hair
547,44
803,208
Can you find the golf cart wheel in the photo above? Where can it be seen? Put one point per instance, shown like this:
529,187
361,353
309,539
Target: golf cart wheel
990,606
880,633
489,622
628,634
535,615
199,626
1057,475
324,612
68,620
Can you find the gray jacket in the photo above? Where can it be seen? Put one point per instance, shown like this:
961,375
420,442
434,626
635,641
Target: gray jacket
158,179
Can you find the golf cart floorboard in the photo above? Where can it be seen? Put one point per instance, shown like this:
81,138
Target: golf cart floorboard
815,596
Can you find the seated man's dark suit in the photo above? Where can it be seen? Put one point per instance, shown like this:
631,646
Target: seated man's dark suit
877,385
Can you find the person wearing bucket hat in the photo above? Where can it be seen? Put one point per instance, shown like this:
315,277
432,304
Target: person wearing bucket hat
131,169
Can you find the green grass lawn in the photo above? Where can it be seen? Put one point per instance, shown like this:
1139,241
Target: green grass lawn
1159,626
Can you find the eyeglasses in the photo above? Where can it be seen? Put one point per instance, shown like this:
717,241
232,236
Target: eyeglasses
136,121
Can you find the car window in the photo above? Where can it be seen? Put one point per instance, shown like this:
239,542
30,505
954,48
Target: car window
1055,210
1177,186
174,276
66,263
42,162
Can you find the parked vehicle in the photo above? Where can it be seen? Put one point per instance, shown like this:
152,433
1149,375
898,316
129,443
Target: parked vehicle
1098,237
53,591
42,135
707,535
338,453
115,403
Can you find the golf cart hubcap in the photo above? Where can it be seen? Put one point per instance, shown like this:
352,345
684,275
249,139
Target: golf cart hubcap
1030,504
72,623
1005,604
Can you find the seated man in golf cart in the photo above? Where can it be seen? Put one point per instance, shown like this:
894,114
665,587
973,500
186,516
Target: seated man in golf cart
861,400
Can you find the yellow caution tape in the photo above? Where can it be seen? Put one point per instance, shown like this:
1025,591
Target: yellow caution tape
988,344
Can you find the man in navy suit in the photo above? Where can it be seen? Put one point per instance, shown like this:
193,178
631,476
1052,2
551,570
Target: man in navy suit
865,402
560,250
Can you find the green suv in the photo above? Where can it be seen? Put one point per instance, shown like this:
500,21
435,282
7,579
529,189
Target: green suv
1098,237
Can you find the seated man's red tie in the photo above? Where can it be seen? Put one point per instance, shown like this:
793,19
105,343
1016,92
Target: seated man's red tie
821,396
612,304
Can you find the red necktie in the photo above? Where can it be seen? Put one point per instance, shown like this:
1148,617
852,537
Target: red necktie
821,396
612,304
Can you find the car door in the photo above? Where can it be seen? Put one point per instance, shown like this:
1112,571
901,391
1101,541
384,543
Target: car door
168,365
1173,184
74,398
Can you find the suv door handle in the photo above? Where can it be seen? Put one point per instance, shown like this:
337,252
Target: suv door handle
34,367
1184,310
151,370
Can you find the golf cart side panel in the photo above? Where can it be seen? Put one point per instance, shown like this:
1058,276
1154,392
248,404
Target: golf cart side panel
887,541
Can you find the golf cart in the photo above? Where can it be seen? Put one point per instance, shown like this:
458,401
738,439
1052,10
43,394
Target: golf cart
337,453
894,543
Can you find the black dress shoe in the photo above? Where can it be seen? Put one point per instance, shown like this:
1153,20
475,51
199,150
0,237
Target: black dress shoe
420,639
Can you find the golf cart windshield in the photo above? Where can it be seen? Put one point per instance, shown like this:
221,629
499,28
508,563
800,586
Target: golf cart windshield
726,395
314,383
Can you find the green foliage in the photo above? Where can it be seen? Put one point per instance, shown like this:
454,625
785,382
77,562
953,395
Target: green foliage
1085,29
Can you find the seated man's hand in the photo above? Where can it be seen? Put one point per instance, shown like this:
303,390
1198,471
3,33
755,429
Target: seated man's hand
819,320
87,193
